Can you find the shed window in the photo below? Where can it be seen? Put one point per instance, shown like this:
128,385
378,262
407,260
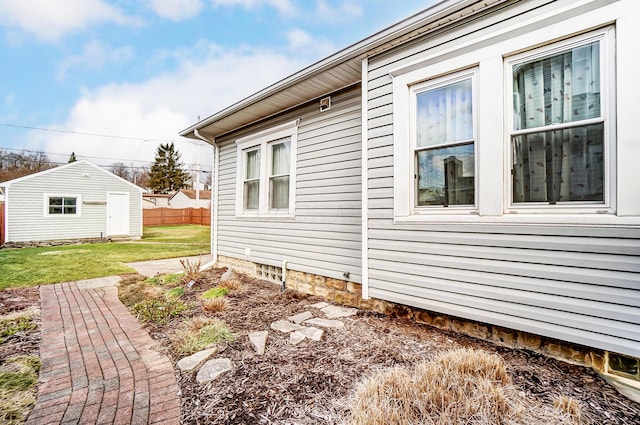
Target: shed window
62,205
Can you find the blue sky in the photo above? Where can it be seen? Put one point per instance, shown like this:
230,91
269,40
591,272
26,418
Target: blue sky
144,70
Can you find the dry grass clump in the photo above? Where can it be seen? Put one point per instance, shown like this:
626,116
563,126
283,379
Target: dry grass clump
231,285
18,376
457,386
569,406
134,289
213,305
198,334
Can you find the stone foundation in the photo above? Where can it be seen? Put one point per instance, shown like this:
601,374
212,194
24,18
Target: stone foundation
62,242
350,294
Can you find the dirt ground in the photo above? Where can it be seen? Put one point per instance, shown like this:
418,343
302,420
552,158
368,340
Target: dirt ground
311,383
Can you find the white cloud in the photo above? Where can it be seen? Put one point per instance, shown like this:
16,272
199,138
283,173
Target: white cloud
95,56
346,10
176,10
208,79
284,7
50,20
301,41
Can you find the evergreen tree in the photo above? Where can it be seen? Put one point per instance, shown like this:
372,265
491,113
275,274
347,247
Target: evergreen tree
166,174
72,158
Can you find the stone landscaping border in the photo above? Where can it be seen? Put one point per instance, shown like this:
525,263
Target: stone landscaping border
350,294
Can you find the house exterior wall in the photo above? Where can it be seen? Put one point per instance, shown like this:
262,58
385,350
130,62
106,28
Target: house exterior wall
180,200
323,237
575,278
27,219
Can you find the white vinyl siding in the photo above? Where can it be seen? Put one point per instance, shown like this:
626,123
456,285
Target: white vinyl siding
26,204
574,277
324,235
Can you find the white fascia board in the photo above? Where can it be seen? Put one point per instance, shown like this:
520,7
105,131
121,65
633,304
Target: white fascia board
361,48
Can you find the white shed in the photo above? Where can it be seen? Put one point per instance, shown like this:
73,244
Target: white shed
75,201
187,198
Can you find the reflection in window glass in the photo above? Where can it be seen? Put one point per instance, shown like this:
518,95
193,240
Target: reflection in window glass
279,175
252,180
446,176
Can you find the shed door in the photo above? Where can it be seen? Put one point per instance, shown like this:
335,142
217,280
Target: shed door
117,214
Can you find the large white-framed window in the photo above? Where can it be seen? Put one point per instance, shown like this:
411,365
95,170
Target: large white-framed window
62,205
560,125
266,172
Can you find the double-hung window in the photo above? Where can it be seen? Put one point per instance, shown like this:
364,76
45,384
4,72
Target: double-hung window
64,205
266,172
559,142
443,142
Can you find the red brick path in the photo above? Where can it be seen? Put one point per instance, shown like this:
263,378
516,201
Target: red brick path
97,363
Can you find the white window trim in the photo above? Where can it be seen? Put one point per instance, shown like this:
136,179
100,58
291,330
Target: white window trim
45,201
607,104
262,140
492,160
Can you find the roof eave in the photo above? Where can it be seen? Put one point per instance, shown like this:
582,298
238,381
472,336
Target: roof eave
356,50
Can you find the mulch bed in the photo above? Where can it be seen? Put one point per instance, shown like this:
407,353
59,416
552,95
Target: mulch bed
22,343
310,383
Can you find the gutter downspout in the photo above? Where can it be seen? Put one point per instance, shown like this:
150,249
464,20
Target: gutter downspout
214,200
364,89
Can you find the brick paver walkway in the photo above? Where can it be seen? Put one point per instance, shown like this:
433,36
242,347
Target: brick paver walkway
97,363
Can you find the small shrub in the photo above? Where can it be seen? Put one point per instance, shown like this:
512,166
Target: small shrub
213,305
231,284
198,334
158,311
192,272
176,292
216,292
15,325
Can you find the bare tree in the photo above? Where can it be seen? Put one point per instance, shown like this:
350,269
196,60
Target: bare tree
23,163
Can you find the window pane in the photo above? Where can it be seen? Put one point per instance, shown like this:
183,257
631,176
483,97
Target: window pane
446,176
559,166
70,201
251,194
70,210
445,114
280,154
55,210
279,192
253,165
55,201
557,89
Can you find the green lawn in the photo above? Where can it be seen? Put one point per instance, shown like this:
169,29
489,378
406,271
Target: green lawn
36,266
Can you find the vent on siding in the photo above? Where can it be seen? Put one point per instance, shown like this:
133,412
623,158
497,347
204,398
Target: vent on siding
272,273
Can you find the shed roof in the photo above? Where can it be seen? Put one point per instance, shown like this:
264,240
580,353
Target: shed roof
337,71
191,193
8,183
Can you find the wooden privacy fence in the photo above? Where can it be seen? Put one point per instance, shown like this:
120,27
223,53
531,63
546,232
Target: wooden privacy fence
173,216
1,223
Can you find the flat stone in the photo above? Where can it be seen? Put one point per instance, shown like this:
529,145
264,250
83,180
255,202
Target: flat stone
312,333
296,337
285,326
325,323
259,341
191,362
301,317
319,305
213,369
230,274
334,311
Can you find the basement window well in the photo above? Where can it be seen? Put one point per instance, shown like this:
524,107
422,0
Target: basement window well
627,367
